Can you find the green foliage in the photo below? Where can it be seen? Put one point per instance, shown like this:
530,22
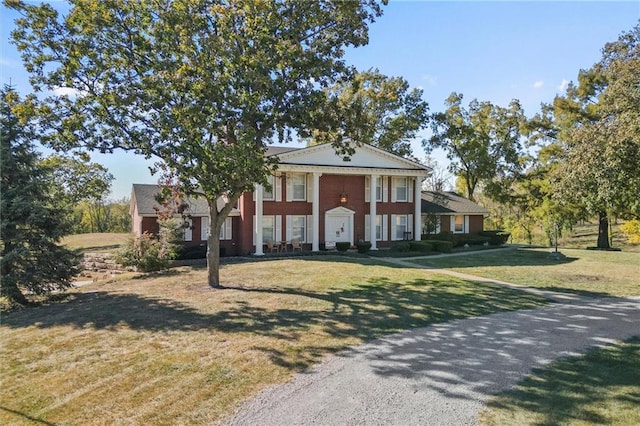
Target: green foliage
202,86
145,253
373,108
363,246
343,246
460,240
598,136
32,221
496,237
77,179
631,230
420,246
482,142
100,216
444,236
401,246
441,246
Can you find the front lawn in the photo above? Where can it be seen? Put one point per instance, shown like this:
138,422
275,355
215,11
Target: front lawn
601,387
167,349
96,242
592,272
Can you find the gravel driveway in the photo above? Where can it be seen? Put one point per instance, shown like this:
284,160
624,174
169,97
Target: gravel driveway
443,374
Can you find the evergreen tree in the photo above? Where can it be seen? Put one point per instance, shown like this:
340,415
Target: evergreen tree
31,261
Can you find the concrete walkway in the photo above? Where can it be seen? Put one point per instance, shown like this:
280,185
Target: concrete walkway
442,374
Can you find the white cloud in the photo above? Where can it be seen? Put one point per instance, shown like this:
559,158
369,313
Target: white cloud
430,79
563,86
67,91
538,84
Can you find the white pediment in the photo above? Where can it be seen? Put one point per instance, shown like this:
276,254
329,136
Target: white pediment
339,211
366,156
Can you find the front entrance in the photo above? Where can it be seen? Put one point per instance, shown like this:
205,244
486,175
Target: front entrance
338,225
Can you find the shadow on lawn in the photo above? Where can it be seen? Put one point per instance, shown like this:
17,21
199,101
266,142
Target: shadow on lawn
604,375
363,312
488,354
516,257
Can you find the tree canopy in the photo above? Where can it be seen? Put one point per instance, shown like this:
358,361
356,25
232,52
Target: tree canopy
598,133
483,142
201,85
32,220
373,108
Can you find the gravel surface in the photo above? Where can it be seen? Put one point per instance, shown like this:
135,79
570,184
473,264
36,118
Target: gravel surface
443,374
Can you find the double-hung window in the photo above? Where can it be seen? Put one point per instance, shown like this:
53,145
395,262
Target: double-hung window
299,227
268,195
268,228
401,189
298,182
458,224
400,227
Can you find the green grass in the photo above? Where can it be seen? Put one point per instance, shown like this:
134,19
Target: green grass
167,349
97,242
601,387
583,271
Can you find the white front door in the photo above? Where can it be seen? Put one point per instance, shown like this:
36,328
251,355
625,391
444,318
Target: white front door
337,228
338,225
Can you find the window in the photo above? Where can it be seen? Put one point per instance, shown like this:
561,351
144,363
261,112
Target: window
400,189
188,230
400,227
268,228
225,230
269,195
430,224
298,186
298,227
458,224
381,227
379,188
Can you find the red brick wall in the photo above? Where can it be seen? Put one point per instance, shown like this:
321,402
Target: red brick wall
331,186
476,224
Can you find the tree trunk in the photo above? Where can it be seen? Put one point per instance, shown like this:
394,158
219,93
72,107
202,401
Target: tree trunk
603,231
213,246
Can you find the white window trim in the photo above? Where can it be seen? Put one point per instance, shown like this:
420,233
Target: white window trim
408,226
290,191
380,198
380,222
188,230
265,195
396,183
465,224
305,227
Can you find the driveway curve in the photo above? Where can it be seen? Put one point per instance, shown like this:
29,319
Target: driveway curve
442,374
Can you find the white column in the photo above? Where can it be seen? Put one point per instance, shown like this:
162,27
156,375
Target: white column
417,215
372,211
315,209
258,230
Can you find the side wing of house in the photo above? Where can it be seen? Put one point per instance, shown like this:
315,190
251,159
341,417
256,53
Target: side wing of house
448,211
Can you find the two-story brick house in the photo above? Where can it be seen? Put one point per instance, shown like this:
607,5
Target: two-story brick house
318,198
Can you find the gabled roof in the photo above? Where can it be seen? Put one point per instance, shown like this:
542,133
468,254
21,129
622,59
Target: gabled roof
144,197
449,203
365,156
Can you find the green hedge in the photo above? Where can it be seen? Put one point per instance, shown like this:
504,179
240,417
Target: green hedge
460,240
496,237
343,246
400,246
363,246
443,236
441,246
421,246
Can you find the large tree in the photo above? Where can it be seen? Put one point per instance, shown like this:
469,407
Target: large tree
203,85
373,108
483,141
598,132
32,220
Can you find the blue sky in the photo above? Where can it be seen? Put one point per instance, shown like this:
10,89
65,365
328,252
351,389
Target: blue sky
493,51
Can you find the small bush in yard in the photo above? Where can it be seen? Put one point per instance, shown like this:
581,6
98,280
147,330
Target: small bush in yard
441,246
363,246
148,253
496,237
443,236
421,246
343,246
631,230
401,246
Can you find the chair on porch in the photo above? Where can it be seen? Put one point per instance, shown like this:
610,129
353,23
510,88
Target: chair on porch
296,245
271,246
